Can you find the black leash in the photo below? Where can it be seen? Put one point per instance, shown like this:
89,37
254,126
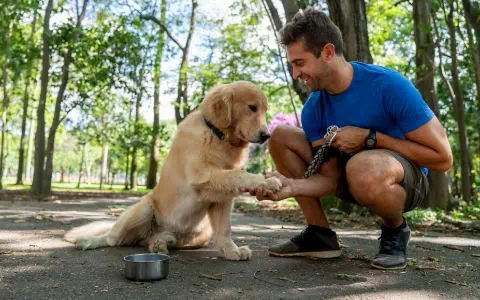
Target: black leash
322,154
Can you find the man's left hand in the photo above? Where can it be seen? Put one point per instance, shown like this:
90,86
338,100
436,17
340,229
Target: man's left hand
350,139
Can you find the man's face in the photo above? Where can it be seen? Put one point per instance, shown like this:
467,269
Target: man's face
307,67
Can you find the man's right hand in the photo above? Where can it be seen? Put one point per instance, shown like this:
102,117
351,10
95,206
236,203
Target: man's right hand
285,192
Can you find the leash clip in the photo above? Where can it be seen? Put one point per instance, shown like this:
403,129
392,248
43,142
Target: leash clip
331,131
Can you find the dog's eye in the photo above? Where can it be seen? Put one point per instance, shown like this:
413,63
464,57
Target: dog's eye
253,108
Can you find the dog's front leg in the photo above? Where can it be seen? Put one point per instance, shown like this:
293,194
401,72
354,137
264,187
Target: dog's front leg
219,214
234,181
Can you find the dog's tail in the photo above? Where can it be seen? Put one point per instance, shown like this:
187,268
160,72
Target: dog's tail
91,229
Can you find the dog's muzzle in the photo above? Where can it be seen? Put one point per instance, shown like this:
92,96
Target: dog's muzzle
264,136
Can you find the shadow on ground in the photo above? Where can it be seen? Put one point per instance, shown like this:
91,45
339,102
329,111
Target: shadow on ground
35,263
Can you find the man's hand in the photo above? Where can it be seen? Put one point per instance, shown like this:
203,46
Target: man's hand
350,139
285,192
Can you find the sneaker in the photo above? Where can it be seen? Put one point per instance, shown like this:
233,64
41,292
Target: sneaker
393,248
313,241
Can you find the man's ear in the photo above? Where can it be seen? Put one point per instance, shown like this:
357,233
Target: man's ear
217,106
328,51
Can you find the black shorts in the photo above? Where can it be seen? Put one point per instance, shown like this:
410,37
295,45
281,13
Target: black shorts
415,182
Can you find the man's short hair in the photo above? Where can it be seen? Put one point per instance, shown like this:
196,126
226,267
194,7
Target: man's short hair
315,28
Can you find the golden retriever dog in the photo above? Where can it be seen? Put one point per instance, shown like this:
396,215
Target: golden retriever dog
192,202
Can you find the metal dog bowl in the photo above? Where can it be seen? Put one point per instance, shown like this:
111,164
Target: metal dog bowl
146,266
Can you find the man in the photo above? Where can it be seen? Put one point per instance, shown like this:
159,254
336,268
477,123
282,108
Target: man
388,139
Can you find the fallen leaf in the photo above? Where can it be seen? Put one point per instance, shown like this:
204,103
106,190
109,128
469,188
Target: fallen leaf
451,247
286,279
431,258
476,254
427,248
424,268
20,221
457,283
210,277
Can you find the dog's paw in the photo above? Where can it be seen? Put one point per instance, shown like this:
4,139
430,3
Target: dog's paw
84,243
158,246
272,184
238,253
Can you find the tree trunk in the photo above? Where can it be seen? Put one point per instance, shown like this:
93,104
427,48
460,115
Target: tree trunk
127,165
133,168
351,18
472,19
58,104
37,184
112,182
290,7
472,16
438,195
31,135
103,167
5,104
88,166
62,175
6,99
155,147
182,107
28,74
136,133
459,108
80,171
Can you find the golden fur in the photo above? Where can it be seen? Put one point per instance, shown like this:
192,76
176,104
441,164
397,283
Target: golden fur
191,204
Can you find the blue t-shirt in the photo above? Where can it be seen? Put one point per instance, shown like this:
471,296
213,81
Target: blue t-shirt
377,98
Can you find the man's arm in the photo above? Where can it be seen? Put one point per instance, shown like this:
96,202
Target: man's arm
426,146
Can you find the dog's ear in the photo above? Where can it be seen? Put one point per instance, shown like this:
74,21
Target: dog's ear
217,106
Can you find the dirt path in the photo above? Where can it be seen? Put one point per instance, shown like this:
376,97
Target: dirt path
35,263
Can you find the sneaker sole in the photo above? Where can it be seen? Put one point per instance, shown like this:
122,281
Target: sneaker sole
318,254
384,268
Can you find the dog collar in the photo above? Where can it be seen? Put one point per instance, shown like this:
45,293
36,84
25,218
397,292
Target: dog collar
214,129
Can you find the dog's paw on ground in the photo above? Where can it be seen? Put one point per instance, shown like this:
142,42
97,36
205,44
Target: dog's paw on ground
158,246
84,243
239,253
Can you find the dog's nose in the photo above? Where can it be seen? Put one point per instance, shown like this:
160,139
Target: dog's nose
264,136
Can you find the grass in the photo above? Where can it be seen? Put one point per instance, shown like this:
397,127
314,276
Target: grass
65,187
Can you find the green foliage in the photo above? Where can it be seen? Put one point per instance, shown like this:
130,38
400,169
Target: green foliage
424,215
466,211
391,48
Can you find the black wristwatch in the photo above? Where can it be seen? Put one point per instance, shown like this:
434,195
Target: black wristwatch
371,140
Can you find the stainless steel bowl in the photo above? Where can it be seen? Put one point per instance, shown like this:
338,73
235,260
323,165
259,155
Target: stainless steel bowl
146,266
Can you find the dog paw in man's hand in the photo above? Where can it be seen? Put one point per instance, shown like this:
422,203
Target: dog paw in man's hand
272,184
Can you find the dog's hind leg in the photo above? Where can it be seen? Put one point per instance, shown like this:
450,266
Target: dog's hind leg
92,242
133,226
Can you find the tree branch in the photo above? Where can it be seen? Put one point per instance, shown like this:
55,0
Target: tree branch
157,21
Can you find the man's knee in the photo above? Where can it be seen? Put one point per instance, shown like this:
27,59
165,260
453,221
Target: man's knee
279,137
368,175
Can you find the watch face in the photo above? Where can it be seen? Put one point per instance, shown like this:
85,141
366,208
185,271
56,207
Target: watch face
370,142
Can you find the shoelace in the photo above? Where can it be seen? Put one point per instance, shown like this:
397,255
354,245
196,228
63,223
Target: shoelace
389,243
